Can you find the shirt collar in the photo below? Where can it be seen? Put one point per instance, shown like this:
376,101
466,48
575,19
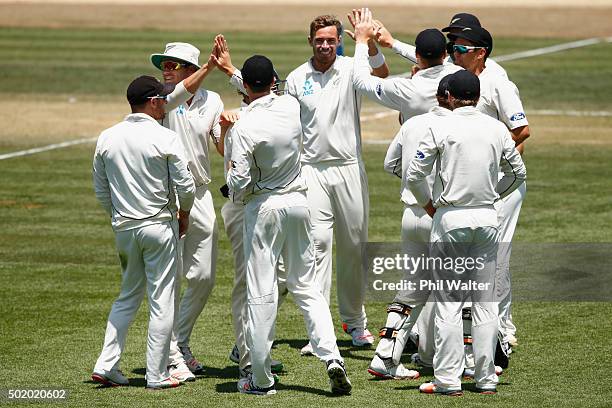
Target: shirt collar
137,117
332,68
430,72
466,110
264,100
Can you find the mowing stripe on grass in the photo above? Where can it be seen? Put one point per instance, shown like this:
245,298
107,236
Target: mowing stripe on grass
379,115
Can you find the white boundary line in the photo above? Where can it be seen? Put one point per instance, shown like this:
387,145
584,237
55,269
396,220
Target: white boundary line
549,50
510,57
47,148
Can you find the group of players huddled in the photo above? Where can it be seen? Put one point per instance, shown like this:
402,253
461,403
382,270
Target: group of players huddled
295,179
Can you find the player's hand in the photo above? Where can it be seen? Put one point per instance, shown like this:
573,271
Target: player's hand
183,221
221,56
363,24
228,118
383,36
414,70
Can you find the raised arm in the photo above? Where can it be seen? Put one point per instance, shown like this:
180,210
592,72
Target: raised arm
391,92
376,58
223,60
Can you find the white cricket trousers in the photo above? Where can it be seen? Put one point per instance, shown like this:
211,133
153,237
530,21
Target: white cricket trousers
148,262
197,261
449,357
339,203
415,232
279,225
508,211
233,220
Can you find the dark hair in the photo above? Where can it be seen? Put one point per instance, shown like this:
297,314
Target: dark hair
325,21
460,103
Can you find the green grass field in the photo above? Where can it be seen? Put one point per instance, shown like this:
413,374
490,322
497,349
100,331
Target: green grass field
60,273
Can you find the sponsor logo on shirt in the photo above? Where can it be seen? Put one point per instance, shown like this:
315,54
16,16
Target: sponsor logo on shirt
180,110
308,90
517,116
379,89
419,155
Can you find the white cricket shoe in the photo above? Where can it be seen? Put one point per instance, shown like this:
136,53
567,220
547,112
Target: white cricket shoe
112,378
416,359
307,350
194,365
163,384
433,388
338,380
276,366
181,372
386,370
360,335
246,386
468,373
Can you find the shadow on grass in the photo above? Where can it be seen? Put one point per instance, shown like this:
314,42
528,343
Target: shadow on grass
346,347
134,382
231,387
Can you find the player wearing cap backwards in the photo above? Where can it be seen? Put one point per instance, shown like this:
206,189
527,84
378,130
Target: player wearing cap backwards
265,167
416,228
470,149
138,165
499,99
457,23
412,97
197,122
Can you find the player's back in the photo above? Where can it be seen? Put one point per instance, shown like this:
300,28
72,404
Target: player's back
272,125
471,147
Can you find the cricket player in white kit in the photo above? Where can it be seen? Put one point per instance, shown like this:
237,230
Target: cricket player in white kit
265,167
232,213
407,306
499,99
333,169
410,96
138,168
197,123
470,150
457,23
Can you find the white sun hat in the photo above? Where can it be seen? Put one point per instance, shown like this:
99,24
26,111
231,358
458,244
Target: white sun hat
177,51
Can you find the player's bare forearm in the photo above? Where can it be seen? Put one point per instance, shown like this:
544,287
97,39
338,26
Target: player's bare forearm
183,221
193,82
520,134
521,148
430,209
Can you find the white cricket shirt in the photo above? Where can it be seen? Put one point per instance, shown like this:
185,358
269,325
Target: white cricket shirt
329,112
265,157
499,98
196,124
404,146
137,167
470,149
412,97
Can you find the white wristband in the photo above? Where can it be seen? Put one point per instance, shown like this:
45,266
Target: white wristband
377,60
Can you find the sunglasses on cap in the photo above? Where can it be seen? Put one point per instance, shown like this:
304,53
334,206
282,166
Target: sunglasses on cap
162,97
464,49
172,65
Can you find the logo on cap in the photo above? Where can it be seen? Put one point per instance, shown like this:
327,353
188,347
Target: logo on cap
455,20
